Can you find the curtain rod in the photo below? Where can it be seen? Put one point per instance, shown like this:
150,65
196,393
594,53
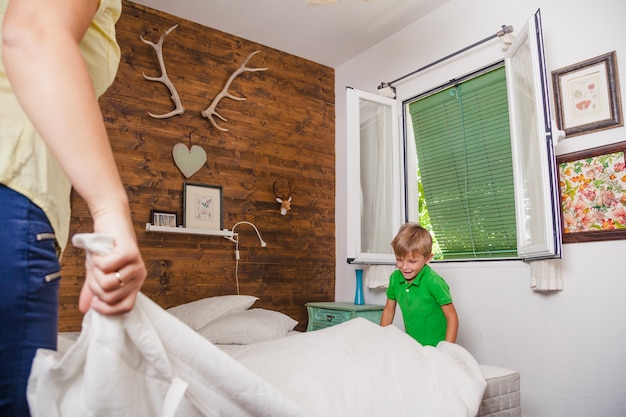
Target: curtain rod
505,29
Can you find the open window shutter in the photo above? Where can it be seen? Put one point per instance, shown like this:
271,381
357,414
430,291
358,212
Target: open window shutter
534,165
375,177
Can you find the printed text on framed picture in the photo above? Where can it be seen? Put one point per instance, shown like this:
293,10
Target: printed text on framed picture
163,218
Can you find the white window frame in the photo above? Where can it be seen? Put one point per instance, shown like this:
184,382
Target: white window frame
355,122
536,181
543,192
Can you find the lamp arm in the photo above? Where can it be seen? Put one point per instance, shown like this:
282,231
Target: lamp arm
263,244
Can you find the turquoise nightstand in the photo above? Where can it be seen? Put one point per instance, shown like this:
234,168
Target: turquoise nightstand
326,314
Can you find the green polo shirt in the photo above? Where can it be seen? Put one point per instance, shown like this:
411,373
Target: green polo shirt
420,302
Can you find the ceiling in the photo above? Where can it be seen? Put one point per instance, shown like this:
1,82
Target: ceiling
329,34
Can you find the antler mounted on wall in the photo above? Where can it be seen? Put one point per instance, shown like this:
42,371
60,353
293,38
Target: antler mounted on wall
158,48
284,200
210,113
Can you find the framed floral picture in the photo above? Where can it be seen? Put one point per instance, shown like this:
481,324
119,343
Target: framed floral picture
202,206
593,193
587,97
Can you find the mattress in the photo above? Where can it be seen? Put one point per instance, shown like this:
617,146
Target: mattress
502,395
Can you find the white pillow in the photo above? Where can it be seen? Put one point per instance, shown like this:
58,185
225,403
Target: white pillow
248,326
198,313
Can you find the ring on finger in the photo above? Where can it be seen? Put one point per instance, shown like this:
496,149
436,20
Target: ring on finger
118,276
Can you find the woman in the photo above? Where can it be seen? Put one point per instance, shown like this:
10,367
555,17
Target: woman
57,58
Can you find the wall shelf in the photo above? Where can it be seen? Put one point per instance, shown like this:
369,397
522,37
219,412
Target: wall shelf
228,234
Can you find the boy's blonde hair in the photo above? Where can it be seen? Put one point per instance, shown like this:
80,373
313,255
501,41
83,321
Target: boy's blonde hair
412,238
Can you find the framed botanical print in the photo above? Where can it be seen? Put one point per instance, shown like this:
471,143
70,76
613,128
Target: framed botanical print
587,97
202,206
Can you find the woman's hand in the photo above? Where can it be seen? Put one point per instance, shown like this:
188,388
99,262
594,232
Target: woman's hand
114,279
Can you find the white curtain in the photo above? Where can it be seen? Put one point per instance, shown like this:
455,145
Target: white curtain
377,276
546,275
376,180
377,173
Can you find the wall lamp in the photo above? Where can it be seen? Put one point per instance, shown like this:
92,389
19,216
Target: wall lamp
235,238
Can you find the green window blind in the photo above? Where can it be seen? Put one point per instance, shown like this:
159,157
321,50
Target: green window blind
464,157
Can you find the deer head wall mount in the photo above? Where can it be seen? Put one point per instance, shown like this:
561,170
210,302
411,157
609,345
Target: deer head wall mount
284,199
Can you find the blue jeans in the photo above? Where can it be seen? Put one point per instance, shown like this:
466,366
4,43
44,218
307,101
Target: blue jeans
29,291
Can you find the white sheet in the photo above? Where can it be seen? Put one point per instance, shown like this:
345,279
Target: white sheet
361,369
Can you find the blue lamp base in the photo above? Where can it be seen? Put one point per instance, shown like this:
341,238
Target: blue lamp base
358,295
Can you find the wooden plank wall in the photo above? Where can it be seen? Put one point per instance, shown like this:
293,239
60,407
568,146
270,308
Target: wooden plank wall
284,129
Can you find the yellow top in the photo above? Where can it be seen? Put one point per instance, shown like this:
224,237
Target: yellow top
26,165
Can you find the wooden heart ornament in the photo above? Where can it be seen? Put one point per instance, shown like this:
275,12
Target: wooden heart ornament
189,161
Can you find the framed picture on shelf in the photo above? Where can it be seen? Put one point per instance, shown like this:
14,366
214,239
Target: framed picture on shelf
593,193
163,218
202,206
587,96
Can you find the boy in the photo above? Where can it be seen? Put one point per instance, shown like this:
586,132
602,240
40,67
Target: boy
424,297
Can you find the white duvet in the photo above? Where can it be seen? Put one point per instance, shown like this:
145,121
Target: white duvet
361,369
148,363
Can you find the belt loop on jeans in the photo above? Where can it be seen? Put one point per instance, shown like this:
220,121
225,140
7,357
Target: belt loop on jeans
45,236
52,277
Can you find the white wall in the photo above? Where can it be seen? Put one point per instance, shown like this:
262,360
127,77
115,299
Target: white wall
568,346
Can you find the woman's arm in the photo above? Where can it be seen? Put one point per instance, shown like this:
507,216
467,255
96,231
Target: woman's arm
51,81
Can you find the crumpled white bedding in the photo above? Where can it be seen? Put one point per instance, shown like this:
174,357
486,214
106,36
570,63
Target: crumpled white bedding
125,366
148,363
358,368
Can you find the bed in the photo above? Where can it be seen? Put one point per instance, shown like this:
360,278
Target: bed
355,368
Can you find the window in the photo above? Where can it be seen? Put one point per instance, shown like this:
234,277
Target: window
486,172
463,148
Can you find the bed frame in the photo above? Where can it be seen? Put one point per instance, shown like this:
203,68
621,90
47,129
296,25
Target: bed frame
502,395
